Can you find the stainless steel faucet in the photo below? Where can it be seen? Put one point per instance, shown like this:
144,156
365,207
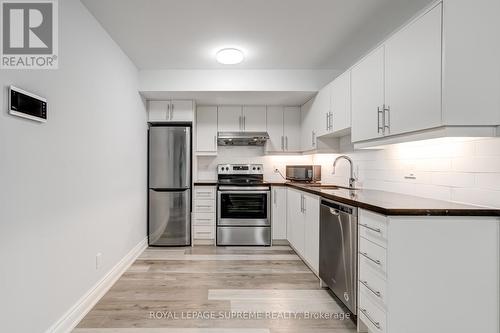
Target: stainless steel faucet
352,180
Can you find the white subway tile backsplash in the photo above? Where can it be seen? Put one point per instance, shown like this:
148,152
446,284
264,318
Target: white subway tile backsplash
489,147
490,181
453,179
476,164
433,191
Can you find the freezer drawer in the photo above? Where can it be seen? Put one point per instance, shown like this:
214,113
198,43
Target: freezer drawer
243,236
169,157
169,218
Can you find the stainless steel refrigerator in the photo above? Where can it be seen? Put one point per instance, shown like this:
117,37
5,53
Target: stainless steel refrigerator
169,222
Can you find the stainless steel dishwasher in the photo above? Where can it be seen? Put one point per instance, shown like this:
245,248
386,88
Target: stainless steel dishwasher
338,247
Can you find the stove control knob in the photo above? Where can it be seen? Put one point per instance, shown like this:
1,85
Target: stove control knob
254,168
227,168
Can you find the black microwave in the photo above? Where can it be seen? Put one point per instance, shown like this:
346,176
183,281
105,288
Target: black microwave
303,173
27,105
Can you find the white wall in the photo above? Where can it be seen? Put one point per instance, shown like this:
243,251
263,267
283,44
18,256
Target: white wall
74,186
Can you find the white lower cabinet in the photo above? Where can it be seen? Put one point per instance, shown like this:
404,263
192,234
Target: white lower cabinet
428,274
303,226
203,219
278,212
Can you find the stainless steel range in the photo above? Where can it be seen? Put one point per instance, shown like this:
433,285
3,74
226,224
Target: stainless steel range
243,205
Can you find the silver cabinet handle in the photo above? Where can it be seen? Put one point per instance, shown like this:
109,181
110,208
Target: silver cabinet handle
313,137
215,142
365,283
282,142
168,111
274,197
328,121
380,129
375,323
239,120
286,142
244,122
371,228
387,110
331,121
364,254
171,111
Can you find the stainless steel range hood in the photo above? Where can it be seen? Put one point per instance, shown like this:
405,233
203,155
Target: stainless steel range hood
242,138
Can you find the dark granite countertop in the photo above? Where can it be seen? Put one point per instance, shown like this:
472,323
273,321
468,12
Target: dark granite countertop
390,203
383,202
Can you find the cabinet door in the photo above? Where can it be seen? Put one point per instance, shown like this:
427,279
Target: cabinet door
294,218
276,140
278,212
311,231
254,118
307,140
320,110
229,119
181,110
367,82
413,75
206,129
158,111
291,128
341,102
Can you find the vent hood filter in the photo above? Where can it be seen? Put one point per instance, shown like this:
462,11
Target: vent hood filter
242,138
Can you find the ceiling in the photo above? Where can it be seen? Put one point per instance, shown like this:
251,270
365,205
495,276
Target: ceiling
274,34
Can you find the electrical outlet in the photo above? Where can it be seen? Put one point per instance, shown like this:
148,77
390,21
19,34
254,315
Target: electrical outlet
98,260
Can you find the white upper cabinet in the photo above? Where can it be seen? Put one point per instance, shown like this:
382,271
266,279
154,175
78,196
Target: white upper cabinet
471,71
308,125
340,104
291,128
367,81
158,111
206,129
230,118
320,111
254,118
181,110
166,111
283,127
235,118
276,140
413,76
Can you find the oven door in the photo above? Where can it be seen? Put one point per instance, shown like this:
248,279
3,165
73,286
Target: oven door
243,207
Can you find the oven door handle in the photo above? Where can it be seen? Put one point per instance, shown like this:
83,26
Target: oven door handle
244,192
244,189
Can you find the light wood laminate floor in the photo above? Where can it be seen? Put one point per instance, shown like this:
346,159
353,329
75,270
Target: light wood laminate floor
206,289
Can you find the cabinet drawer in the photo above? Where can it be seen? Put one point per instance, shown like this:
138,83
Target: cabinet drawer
204,219
373,316
373,284
204,206
203,232
373,256
373,227
204,193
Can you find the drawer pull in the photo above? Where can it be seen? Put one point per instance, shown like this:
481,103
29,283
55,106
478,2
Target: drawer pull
204,206
364,254
371,228
198,219
365,283
375,323
203,232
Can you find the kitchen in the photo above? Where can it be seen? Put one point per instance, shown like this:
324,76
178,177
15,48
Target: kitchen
252,187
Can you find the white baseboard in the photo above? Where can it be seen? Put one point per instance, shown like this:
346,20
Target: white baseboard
76,313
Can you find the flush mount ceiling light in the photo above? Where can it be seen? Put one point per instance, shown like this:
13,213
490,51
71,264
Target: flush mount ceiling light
229,56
